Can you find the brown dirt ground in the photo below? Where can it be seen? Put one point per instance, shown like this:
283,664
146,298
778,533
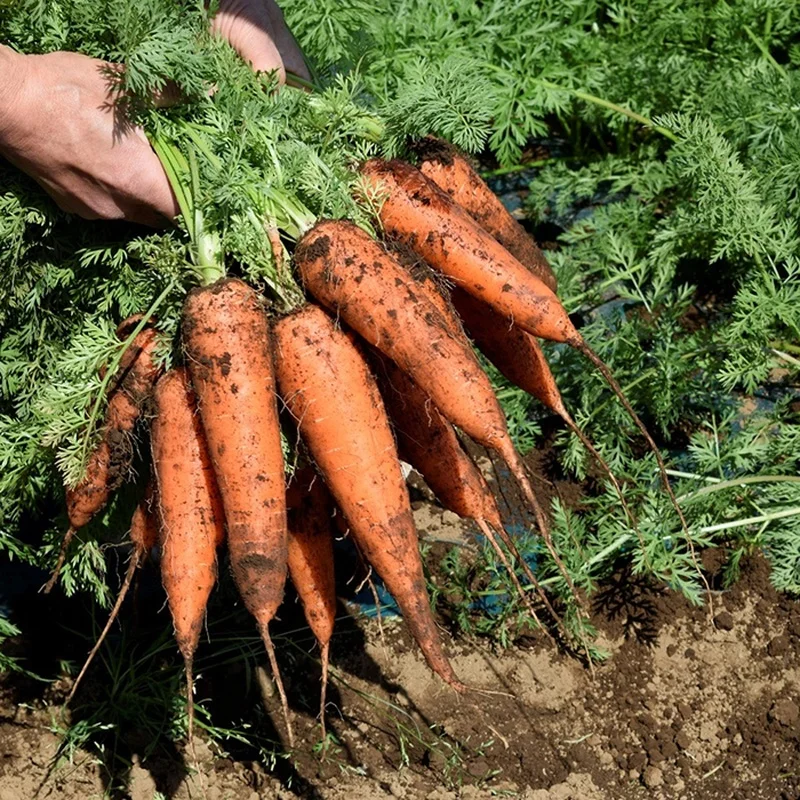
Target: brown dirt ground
685,708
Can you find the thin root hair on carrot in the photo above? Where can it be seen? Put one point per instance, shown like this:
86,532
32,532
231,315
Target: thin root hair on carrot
62,556
592,450
490,537
276,675
126,584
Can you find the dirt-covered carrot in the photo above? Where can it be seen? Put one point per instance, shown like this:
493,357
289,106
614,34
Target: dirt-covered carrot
344,268
190,513
311,561
427,441
433,288
519,357
418,213
327,387
144,536
227,341
452,173
110,462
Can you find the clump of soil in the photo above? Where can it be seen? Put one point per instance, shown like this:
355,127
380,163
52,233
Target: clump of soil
685,708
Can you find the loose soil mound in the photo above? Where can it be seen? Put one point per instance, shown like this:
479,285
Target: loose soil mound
685,707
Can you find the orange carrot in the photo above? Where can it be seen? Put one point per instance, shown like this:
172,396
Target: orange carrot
422,216
144,536
428,442
434,289
190,513
351,273
515,352
227,341
110,462
311,561
452,173
329,390
344,268
518,356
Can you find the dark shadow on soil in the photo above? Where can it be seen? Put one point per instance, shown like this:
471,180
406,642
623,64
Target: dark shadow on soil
631,606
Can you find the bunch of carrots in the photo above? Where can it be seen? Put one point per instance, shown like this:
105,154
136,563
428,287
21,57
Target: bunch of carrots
374,363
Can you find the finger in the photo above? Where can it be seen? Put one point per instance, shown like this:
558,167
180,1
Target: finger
291,54
160,206
248,28
148,198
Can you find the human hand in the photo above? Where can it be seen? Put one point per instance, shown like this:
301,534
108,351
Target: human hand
59,124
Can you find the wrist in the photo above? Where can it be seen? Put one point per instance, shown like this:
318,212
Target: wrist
11,80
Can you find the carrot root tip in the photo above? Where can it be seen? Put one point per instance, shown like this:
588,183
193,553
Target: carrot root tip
276,674
62,556
323,692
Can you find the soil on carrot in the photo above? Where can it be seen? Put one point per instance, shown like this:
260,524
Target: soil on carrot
685,707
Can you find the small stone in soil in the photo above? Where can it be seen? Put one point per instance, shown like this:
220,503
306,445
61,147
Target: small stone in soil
778,646
683,740
653,777
449,518
479,768
669,750
724,621
637,761
784,711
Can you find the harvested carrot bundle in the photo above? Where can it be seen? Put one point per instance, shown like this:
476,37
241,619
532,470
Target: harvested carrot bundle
451,172
433,288
351,273
348,271
311,561
425,218
227,341
328,388
190,513
144,536
109,464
